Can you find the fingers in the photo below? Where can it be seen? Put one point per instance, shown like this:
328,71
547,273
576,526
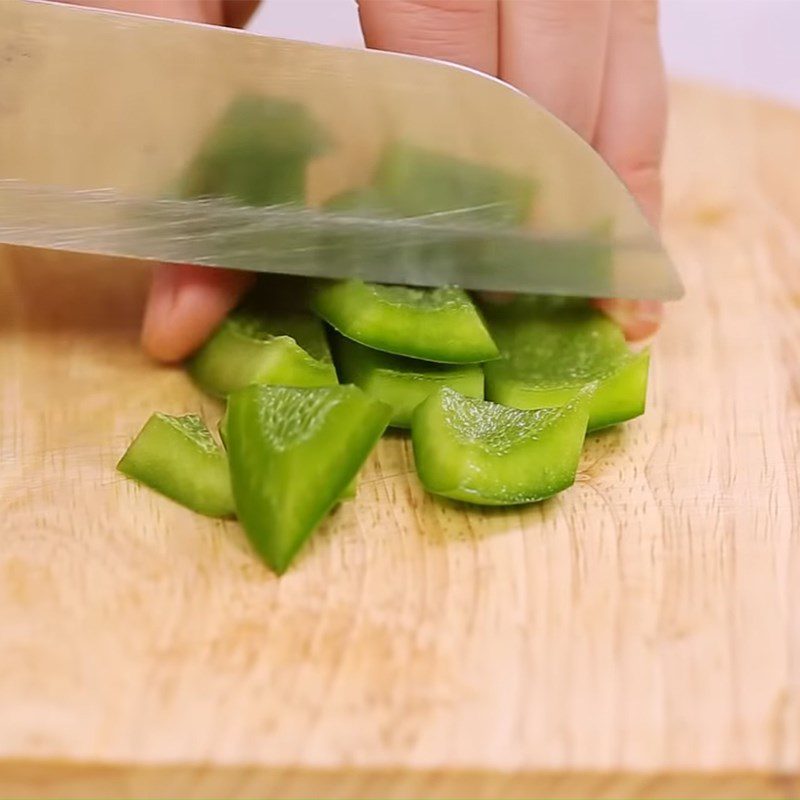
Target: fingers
555,51
185,305
207,11
237,13
233,13
560,53
632,123
639,319
630,131
461,31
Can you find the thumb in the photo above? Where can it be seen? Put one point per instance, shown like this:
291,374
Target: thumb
185,303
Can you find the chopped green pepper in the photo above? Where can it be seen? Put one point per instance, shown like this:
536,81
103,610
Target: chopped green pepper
440,325
178,457
402,383
551,348
350,490
292,453
480,452
263,345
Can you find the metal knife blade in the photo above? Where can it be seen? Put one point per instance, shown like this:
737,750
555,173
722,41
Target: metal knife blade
101,112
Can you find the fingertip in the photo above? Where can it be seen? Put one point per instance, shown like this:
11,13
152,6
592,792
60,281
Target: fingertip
632,125
184,306
554,51
639,319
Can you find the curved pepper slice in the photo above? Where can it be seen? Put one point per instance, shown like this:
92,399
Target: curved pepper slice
551,349
430,324
286,348
484,453
402,383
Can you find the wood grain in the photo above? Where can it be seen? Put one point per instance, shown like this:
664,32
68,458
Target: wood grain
638,636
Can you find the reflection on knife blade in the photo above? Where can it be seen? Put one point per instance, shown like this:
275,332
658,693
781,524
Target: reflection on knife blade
433,250
427,219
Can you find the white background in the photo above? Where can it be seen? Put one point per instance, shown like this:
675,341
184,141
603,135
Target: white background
752,45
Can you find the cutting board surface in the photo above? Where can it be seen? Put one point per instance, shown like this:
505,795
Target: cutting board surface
638,635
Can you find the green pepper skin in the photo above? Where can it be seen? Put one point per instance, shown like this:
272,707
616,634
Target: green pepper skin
441,325
551,348
178,457
487,454
286,348
402,383
292,454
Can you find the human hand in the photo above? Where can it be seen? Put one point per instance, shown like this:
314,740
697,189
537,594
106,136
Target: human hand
596,64
186,303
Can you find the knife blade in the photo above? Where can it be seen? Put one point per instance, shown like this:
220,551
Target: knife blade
103,114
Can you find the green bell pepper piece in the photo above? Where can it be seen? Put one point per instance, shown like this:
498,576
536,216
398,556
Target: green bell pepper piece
551,348
440,325
285,348
350,490
178,457
402,383
292,453
483,453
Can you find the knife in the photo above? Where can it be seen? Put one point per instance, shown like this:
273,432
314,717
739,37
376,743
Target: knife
104,115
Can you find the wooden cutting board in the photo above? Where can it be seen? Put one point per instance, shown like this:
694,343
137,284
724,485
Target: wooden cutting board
637,636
